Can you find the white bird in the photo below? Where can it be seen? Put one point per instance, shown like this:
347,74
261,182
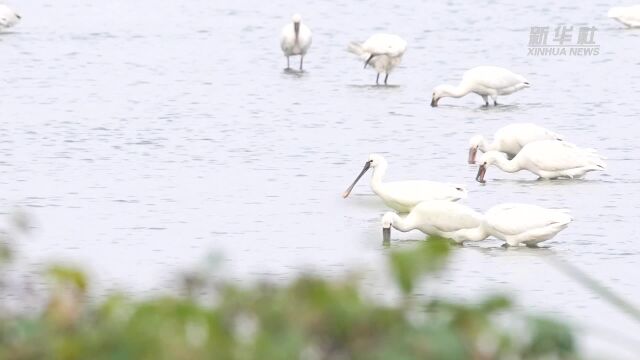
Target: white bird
486,81
549,159
524,224
295,39
382,51
513,223
628,15
442,218
510,139
404,195
8,17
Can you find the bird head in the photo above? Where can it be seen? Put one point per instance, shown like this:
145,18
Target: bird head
439,92
474,145
487,159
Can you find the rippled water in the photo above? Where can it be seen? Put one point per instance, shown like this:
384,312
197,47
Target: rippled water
143,135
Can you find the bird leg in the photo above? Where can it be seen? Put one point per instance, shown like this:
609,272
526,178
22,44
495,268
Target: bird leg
486,100
495,100
377,78
288,63
385,78
301,58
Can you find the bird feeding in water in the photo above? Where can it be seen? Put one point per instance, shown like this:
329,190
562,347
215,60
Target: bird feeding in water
486,81
402,196
526,224
515,224
510,139
549,159
382,51
295,39
441,218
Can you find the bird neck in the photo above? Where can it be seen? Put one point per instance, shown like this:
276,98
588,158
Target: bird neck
457,91
508,165
402,224
378,174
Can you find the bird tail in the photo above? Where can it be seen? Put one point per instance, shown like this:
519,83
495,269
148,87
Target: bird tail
461,192
563,218
356,48
591,153
597,161
557,136
600,163
524,83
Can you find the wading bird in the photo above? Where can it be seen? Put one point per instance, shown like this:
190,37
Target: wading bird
549,159
295,39
514,224
382,51
524,224
402,196
442,218
510,139
486,81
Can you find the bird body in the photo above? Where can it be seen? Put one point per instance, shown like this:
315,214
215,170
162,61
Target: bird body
486,81
549,159
402,196
627,15
8,17
510,139
524,224
382,51
441,218
295,39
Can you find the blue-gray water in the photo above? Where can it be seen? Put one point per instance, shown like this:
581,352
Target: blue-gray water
141,136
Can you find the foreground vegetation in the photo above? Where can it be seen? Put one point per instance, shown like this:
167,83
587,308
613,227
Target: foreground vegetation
308,318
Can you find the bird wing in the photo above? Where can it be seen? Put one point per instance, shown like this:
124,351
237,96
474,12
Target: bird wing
447,216
512,138
385,44
304,36
287,38
492,77
413,192
551,155
513,219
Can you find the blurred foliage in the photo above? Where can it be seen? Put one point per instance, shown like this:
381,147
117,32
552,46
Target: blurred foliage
309,318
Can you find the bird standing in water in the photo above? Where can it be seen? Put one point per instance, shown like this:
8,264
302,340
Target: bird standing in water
382,51
295,39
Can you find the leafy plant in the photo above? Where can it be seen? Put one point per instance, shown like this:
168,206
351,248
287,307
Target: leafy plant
309,318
